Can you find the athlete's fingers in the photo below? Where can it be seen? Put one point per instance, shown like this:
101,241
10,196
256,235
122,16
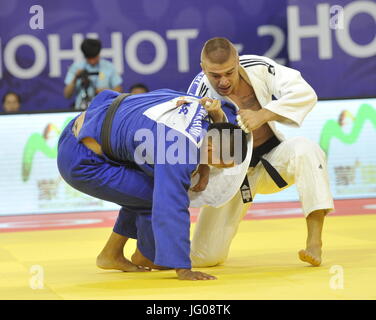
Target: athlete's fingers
206,100
181,102
199,187
241,124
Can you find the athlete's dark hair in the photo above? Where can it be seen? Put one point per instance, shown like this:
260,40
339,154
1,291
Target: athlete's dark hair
91,48
235,135
139,85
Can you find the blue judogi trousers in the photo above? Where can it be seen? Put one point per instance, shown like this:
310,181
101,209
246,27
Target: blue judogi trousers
102,178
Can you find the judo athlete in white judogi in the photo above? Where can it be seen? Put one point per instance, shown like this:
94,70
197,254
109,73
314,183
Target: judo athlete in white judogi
264,93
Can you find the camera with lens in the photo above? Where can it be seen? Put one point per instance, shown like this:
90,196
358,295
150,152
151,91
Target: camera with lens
85,84
84,76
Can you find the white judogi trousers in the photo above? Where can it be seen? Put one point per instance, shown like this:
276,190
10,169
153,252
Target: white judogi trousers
298,160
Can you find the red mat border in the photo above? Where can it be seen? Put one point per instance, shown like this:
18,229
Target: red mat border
98,219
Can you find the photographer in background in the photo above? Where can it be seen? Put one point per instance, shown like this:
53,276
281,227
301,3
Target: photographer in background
87,78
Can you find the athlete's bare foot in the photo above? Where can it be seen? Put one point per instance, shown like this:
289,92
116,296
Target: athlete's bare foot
112,255
139,259
118,263
188,274
312,255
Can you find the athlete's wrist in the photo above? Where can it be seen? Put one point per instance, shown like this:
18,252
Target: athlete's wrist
218,116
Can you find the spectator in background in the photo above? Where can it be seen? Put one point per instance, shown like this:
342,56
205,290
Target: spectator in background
11,102
87,78
138,88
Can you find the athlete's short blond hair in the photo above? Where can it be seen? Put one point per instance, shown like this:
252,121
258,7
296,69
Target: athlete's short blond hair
218,50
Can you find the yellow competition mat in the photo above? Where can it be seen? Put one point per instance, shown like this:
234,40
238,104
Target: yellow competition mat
263,264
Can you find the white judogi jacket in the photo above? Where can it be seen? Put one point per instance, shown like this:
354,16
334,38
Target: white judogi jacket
294,99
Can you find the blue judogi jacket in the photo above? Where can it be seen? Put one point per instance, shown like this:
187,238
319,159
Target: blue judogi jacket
149,129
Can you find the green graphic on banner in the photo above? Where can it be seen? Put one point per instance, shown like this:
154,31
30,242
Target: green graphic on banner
38,143
333,129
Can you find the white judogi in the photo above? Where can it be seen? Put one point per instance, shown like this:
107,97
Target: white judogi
298,160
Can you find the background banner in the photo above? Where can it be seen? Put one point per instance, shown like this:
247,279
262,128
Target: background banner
346,131
30,181
332,42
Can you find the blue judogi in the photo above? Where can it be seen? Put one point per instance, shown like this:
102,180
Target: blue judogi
154,199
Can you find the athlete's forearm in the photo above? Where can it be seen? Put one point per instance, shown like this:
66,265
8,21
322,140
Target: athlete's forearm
220,117
268,115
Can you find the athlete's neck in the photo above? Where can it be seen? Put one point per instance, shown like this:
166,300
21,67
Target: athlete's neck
241,88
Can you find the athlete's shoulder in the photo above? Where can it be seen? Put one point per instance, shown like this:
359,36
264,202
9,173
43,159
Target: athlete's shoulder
164,92
255,63
254,58
198,85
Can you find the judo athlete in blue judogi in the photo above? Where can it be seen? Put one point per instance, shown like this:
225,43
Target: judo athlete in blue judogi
144,163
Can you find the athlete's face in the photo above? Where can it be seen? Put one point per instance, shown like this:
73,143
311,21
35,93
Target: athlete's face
223,77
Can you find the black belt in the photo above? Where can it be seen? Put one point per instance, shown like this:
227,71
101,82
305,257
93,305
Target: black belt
106,133
257,154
